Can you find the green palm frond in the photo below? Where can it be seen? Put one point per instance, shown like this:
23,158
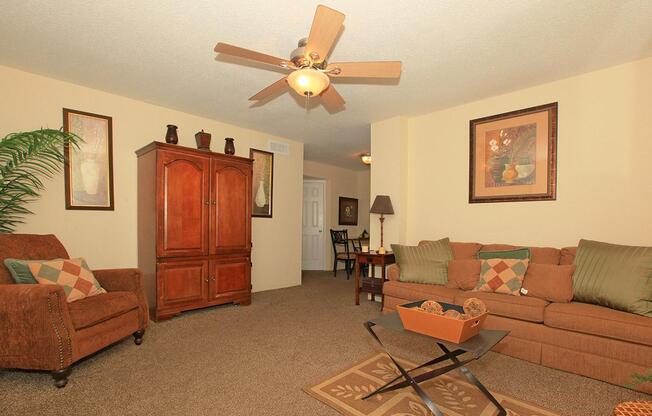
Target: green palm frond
26,159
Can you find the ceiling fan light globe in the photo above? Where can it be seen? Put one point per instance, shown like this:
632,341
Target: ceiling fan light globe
308,81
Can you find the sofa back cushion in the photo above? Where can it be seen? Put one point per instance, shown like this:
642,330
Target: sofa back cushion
568,255
28,247
541,255
463,274
465,251
550,282
615,276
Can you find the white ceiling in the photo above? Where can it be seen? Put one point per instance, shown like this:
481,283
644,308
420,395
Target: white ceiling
453,51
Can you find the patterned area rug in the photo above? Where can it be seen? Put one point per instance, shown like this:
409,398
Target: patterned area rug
451,392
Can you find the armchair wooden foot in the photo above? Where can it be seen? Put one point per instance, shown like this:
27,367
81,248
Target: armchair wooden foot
138,336
61,377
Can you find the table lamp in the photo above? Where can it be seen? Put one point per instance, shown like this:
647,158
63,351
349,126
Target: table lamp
382,205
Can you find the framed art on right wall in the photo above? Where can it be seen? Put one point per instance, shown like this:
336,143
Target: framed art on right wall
513,156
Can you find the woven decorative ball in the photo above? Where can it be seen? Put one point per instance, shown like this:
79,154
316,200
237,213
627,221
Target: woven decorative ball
637,408
453,314
474,307
433,307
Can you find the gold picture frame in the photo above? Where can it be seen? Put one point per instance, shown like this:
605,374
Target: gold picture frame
513,156
262,198
88,169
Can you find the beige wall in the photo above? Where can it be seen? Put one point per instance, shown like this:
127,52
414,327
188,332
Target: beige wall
108,239
389,170
340,182
604,166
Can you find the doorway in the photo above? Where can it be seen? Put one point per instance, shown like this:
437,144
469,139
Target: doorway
312,234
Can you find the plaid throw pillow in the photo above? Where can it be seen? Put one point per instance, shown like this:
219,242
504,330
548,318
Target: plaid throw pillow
73,275
502,276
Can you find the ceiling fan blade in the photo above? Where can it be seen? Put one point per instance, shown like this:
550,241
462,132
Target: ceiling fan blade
270,90
379,69
325,27
332,100
227,49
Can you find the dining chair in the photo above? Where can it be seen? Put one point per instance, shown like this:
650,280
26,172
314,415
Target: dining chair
341,252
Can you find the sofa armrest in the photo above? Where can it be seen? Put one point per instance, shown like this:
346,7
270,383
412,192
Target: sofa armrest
393,272
35,328
127,280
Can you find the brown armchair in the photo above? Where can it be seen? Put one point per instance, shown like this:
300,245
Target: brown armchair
39,330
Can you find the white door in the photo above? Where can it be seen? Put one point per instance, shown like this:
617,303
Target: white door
312,253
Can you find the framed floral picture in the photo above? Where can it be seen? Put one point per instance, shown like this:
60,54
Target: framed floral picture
348,212
262,183
513,156
89,169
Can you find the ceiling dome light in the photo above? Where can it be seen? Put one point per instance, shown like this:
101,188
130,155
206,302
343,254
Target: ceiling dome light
366,158
308,81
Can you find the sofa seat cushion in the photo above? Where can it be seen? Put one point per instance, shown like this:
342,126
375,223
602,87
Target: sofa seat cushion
418,291
599,320
95,309
516,307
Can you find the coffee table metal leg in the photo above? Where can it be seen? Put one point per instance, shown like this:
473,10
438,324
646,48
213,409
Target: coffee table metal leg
426,364
473,379
415,385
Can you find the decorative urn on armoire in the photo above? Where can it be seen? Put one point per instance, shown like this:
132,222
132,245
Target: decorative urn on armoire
194,228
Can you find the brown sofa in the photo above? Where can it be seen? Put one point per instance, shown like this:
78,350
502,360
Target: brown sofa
39,330
585,339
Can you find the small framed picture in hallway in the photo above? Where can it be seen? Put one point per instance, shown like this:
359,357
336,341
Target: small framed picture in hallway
262,183
348,211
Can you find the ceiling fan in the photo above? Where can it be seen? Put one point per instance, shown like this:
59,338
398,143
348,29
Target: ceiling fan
311,72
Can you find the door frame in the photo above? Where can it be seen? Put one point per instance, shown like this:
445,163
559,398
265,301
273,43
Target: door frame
324,265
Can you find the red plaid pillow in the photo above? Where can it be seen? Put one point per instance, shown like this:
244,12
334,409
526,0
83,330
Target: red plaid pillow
502,276
73,275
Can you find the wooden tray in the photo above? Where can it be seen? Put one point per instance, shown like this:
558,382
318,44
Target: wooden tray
441,327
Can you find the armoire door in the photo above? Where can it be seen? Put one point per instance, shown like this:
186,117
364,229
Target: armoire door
183,204
231,217
228,277
182,283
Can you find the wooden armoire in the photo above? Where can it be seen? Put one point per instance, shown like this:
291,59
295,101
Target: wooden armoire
194,228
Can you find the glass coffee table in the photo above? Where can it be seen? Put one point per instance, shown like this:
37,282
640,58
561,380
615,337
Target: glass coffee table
472,349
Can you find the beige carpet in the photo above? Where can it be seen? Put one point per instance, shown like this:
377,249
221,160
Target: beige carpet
451,393
255,360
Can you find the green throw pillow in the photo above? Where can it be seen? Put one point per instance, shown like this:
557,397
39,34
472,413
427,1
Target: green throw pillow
19,270
615,276
517,253
425,263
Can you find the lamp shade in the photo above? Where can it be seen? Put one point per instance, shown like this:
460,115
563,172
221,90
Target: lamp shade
382,205
308,81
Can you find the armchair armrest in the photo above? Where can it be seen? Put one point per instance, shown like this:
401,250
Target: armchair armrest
35,327
128,280
393,272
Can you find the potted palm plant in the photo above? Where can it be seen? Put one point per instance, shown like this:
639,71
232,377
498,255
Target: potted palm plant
26,159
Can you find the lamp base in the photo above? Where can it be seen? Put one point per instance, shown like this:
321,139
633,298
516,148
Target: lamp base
381,250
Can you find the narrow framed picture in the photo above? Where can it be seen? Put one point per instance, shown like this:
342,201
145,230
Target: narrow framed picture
348,212
89,169
262,183
513,156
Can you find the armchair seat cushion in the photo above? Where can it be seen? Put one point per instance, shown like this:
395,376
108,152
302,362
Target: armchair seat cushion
93,310
344,256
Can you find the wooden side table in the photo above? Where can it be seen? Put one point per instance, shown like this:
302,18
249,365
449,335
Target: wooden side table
371,284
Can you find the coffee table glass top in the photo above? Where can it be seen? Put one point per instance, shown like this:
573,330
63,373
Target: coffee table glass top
477,345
